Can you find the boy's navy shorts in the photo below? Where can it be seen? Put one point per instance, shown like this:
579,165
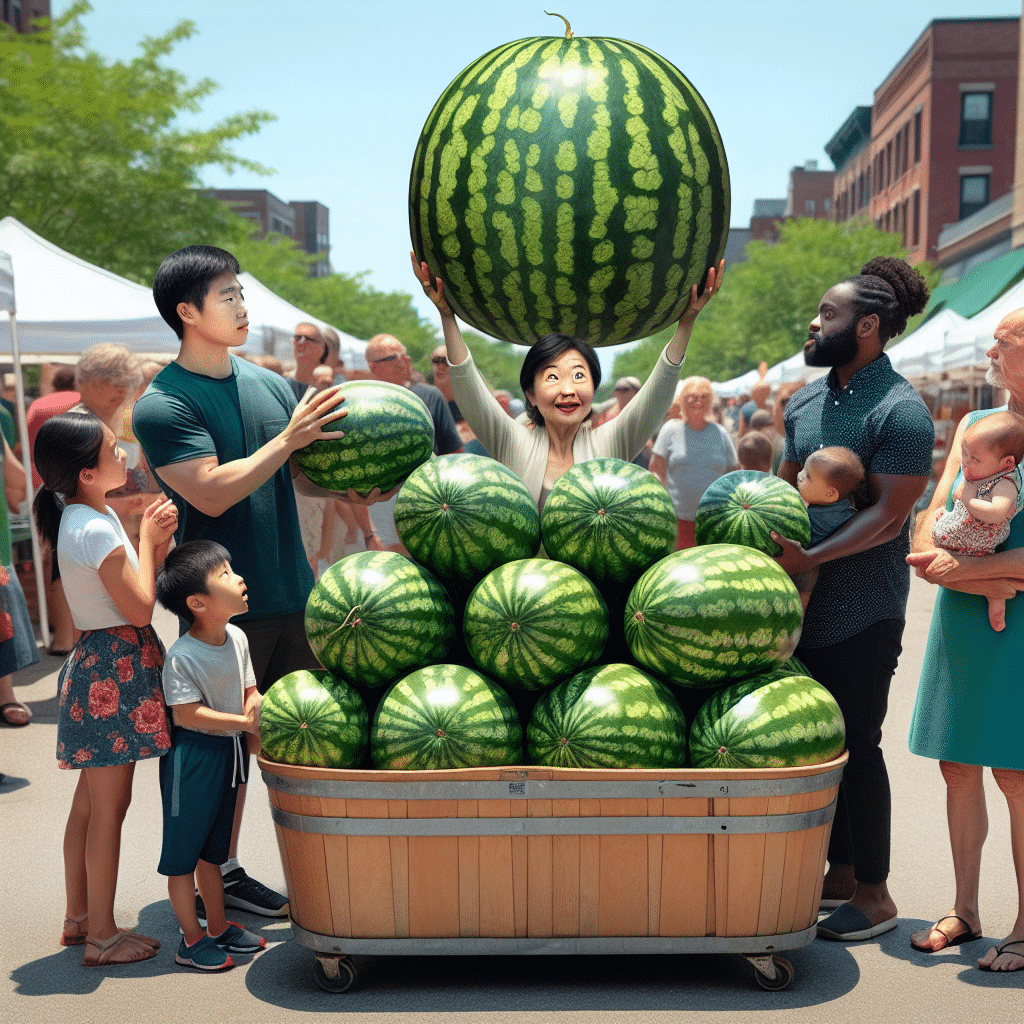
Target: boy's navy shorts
199,780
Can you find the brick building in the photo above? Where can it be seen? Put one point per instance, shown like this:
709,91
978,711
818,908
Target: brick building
308,223
19,14
942,134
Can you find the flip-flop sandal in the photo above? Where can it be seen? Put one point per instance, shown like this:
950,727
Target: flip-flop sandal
1004,948
20,706
109,953
79,939
957,940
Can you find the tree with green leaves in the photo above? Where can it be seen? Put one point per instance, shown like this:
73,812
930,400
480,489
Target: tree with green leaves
92,156
766,303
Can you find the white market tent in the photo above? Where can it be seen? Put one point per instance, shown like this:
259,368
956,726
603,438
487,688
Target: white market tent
928,352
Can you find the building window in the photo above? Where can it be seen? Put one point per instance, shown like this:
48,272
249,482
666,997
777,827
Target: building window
917,137
826,204
898,156
810,207
906,208
888,163
915,231
973,193
976,119
868,188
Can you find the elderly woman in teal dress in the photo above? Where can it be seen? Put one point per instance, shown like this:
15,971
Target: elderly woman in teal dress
969,712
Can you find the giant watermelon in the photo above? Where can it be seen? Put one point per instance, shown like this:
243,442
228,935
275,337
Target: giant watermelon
375,615
768,722
445,716
463,515
534,621
713,613
576,185
609,519
314,719
743,507
388,433
612,716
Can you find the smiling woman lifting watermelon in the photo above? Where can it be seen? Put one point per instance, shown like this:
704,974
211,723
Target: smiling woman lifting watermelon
559,377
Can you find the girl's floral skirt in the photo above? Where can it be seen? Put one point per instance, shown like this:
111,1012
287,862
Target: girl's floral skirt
111,703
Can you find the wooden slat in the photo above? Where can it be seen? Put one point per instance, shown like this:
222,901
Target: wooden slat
495,854
399,847
565,873
745,869
684,873
539,853
306,859
520,877
771,879
590,873
469,875
370,894
623,892
433,875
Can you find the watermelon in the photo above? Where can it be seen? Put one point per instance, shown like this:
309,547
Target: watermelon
314,719
609,519
612,716
576,185
445,716
714,613
744,506
375,615
767,722
463,515
388,433
532,622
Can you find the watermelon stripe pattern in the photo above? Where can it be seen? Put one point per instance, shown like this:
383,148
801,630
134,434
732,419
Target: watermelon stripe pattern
388,433
773,723
311,718
463,515
609,519
711,613
614,716
744,506
445,716
375,615
532,622
575,185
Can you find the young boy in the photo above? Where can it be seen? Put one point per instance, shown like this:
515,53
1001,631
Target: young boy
755,451
210,688
828,477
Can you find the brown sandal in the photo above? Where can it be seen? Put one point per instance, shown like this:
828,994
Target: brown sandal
78,939
116,950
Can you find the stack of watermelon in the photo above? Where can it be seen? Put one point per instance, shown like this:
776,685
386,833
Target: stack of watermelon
515,656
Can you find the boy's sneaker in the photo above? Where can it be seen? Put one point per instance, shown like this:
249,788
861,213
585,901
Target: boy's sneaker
205,955
245,893
235,939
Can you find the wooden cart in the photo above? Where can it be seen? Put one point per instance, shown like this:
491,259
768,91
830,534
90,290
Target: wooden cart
549,860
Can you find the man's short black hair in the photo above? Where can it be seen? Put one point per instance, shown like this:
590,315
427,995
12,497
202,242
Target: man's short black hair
186,571
185,276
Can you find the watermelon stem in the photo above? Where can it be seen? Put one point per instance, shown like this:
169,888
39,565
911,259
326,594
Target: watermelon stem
568,30
351,612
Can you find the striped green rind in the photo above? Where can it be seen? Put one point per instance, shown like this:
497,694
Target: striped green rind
463,515
388,433
532,622
576,185
744,506
711,614
609,519
445,716
778,723
612,716
375,615
313,719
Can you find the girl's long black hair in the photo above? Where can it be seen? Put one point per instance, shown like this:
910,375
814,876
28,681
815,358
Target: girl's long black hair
65,445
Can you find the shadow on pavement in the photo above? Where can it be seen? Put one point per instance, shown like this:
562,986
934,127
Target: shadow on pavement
283,976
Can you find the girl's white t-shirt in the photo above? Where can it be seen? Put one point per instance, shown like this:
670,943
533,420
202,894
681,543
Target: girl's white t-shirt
85,539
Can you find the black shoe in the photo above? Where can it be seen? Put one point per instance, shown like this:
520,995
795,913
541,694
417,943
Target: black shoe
245,893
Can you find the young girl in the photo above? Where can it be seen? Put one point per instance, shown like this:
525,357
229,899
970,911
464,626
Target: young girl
111,711
986,498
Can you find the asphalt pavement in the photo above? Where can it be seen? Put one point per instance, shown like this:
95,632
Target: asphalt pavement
879,980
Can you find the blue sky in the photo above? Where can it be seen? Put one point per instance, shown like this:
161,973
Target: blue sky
352,83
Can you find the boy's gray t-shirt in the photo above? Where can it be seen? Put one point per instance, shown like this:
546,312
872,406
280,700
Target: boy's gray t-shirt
196,672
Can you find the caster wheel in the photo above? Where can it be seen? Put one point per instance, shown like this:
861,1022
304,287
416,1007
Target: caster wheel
783,975
334,973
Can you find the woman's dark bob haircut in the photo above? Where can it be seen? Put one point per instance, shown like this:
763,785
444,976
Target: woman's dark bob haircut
544,353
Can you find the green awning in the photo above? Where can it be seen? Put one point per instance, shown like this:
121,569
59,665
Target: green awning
979,287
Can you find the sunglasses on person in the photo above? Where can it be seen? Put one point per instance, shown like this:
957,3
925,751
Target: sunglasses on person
308,337
439,360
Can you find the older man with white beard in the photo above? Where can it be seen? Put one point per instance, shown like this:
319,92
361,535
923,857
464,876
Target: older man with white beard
969,712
